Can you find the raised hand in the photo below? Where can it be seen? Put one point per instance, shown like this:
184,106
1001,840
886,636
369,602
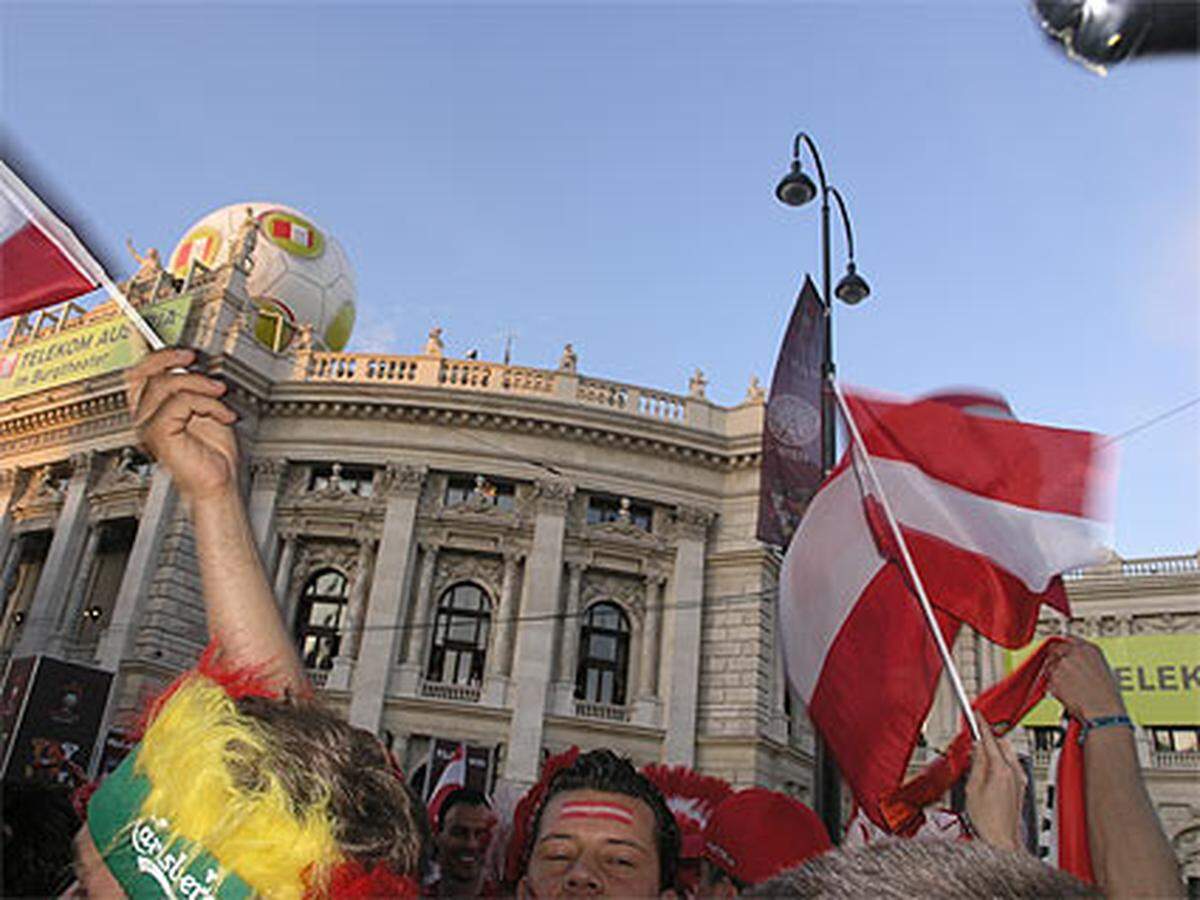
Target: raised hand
1080,678
995,791
182,424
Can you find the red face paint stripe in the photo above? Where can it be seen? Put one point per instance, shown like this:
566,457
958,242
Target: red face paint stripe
609,811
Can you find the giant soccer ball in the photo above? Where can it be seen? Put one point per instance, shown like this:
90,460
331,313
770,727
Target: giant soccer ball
300,276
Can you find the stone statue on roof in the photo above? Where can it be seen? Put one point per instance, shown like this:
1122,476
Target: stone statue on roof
569,360
697,384
434,345
241,248
149,265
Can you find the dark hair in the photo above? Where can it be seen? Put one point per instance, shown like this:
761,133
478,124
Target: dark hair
39,827
376,817
941,870
603,770
463,796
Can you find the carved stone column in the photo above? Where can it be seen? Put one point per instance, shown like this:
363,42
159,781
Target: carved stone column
352,629
283,579
419,623
401,489
266,476
647,707
499,661
117,639
68,618
535,637
61,559
8,496
568,652
681,656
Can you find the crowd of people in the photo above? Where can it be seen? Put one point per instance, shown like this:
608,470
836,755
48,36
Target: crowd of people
243,784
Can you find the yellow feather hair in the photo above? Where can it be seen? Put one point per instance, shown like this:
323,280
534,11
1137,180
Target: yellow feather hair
257,834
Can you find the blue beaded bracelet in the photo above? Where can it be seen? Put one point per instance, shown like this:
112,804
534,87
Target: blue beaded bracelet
1102,722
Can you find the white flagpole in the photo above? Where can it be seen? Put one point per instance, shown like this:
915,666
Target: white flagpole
926,607
64,239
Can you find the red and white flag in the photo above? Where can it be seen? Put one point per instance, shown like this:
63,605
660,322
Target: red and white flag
992,512
453,777
291,231
41,260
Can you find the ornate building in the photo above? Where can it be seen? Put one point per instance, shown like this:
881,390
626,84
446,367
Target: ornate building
518,558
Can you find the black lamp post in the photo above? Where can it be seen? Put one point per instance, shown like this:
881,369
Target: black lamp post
797,189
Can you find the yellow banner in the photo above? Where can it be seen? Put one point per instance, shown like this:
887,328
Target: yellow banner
87,351
1158,674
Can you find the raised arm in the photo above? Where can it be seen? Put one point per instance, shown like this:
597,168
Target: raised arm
1130,853
189,431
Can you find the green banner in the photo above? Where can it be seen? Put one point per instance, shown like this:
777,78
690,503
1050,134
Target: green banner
87,350
1158,674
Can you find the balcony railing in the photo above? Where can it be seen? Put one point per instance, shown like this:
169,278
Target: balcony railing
607,711
1138,568
461,693
1169,759
493,378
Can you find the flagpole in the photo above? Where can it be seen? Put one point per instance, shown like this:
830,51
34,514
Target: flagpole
68,244
960,692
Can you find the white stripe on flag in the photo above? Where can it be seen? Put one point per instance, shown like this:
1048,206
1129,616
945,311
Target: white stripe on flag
11,220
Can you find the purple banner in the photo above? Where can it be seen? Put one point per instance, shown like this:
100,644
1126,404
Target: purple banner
791,438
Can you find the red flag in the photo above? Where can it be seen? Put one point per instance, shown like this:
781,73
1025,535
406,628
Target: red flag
791,437
41,260
452,778
1002,706
991,510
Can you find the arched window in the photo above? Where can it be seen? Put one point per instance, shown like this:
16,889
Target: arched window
603,655
460,636
319,618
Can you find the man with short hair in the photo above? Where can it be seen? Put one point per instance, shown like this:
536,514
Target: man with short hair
465,824
603,830
753,835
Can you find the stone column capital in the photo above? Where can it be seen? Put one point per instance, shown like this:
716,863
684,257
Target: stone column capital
8,480
553,495
692,522
81,463
266,472
401,480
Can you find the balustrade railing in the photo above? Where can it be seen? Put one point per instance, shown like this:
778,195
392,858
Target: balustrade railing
463,693
1174,759
606,711
478,375
1139,568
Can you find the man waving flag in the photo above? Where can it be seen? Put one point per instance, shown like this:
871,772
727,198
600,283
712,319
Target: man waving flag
991,509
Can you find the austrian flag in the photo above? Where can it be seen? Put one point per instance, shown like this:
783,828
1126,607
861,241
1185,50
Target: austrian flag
41,261
992,511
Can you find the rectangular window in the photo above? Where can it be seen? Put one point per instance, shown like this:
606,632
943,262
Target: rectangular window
1175,739
18,593
104,580
462,490
356,480
1046,737
603,508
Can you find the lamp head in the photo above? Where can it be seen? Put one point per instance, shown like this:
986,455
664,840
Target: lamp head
853,288
795,188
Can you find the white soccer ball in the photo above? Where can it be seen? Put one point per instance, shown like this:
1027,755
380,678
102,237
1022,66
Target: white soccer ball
300,276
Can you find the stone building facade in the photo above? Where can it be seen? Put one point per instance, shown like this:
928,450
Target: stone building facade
519,558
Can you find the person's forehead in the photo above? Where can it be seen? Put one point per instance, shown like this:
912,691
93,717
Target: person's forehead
470,814
592,810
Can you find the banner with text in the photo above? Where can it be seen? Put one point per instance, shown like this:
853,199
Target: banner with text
1158,674
86,351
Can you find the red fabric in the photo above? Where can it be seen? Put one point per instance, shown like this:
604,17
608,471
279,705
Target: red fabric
351,879
877,686
1035,466
1003,705
1070,811
453,777
281,228
34,273
757,833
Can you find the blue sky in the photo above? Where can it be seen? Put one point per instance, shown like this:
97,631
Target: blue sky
602,173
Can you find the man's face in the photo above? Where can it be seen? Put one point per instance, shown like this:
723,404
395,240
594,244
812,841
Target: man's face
463,841
593,844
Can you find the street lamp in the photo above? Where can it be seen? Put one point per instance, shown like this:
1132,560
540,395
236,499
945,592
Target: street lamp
797,189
